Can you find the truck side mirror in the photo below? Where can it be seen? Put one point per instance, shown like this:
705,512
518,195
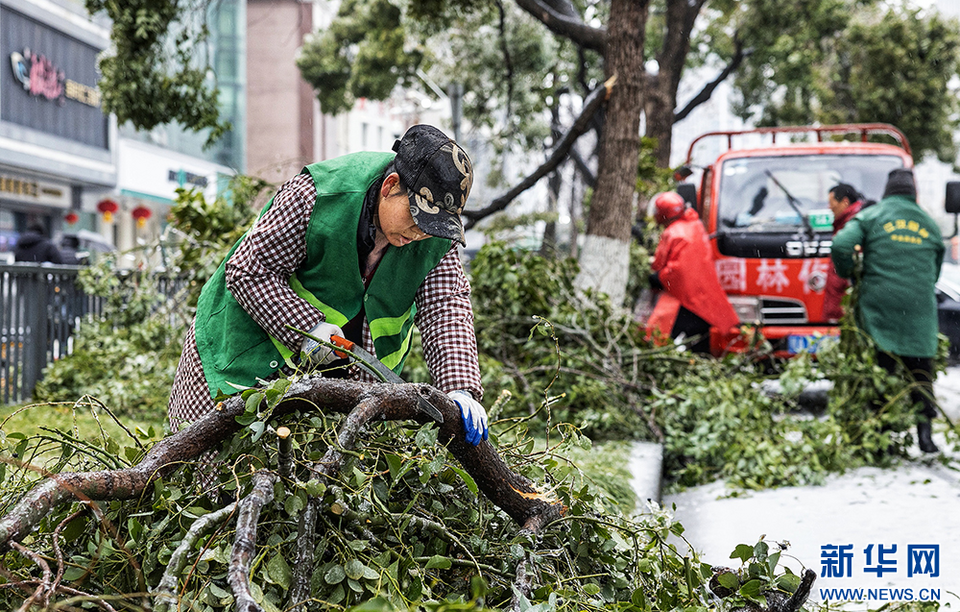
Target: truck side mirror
688,191
952,201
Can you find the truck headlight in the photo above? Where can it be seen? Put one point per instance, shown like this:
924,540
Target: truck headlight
747,308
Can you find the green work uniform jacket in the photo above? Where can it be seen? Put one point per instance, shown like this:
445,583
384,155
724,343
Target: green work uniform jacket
902,254
235,351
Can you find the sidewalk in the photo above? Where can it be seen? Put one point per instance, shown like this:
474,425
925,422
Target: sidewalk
917,503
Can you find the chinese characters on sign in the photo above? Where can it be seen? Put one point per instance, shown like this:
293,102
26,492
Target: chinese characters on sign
40,77
836,561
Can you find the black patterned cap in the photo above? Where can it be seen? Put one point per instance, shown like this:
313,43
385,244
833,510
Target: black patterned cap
438,175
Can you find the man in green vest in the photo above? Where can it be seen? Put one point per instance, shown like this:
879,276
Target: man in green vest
363,246
902,254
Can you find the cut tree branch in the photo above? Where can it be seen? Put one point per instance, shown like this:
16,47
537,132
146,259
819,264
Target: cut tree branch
565,24
511,492
245,545
166,590
590,106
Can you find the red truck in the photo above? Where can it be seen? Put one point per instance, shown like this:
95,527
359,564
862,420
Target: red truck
764,204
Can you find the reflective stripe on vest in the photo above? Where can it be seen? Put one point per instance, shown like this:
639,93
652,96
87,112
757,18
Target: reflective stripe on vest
235,351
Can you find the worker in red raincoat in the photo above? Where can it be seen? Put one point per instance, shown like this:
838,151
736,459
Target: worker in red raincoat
691,299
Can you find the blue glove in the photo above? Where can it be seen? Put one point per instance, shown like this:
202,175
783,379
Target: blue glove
473,416
316,353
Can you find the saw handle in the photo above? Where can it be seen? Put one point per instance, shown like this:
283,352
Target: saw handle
343,343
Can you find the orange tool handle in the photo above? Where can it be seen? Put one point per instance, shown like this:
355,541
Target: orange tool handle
343,343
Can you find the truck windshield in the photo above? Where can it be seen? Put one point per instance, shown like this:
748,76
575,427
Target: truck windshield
755,192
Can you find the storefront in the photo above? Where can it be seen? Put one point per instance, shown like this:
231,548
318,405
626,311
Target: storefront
57,157
147,182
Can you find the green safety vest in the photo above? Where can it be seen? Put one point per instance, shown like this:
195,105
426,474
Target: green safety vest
235,351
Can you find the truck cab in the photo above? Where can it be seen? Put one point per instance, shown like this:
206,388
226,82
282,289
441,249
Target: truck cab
764,205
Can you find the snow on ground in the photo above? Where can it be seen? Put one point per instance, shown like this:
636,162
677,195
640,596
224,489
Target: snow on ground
912,506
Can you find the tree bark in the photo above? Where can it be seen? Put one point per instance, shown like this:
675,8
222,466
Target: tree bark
610,216
245,545
566,23
672,57
511,492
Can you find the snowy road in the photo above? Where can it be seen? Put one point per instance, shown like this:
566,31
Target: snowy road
913,507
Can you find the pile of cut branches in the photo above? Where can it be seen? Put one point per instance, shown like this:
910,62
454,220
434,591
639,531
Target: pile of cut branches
312,502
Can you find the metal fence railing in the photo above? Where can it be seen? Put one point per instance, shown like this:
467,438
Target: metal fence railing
41,308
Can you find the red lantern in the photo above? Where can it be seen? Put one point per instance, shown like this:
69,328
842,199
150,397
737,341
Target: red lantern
108,207
71,217
141,214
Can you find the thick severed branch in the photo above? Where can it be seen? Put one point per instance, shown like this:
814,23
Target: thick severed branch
329,465
244,547
511,492
166,590
303,562
284,456
591,105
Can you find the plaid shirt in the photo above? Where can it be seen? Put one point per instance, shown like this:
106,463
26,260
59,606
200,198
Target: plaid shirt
258,274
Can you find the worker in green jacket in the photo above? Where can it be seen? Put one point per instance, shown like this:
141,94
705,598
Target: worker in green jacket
902,253
363,246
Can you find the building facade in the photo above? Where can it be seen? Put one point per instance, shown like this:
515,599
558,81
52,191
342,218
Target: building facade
66,165
57,148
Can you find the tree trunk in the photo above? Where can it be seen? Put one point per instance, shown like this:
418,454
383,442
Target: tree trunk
605,257
672,58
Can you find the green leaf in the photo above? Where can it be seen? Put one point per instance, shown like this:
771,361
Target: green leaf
427,436
591,588
728,580
788,582
278,571
293,504
315,488
439,562
354,569
742,552
751,591
772,562
467,479
257,428
335,575
253,401
394,462
131,453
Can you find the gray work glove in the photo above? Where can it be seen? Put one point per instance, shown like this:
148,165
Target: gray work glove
316,353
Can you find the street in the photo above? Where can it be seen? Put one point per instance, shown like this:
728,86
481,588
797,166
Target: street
846,530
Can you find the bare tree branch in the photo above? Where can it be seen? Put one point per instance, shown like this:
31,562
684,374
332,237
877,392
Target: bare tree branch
591,105
704,94
566,25
245,545
166,590
41,594
589,177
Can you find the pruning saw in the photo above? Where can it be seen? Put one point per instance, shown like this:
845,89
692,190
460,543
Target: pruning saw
367,360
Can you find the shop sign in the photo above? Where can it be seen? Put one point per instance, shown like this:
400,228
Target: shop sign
182,177
34,192
41,78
